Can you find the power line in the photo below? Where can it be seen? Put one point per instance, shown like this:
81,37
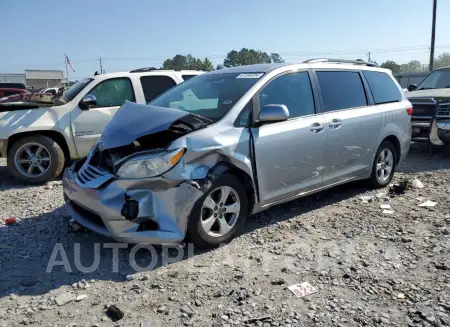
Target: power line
296,54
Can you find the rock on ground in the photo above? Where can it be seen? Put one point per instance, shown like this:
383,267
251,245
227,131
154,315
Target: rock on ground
370,268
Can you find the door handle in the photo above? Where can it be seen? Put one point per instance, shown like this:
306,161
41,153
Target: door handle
316,127
335,123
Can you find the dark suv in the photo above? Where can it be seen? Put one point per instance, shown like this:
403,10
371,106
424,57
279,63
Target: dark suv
431,102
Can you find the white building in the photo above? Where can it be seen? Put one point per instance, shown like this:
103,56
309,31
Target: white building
36,78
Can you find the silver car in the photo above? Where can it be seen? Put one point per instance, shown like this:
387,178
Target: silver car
202,157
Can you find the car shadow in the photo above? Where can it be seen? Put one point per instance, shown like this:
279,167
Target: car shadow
421,159
27,247
8,182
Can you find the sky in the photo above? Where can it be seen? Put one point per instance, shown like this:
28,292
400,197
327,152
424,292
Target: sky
142,33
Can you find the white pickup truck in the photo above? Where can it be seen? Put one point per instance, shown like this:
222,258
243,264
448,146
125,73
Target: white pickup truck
39,137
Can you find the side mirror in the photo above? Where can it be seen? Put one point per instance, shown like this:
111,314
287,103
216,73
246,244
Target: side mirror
412,87
87,101
273,113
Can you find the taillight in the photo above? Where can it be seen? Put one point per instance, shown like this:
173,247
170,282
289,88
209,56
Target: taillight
410,111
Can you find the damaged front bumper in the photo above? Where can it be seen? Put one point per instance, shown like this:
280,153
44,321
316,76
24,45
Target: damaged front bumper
160,212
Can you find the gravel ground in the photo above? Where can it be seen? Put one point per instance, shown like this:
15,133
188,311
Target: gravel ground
370,268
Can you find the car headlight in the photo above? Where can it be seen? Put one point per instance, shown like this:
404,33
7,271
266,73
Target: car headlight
150,165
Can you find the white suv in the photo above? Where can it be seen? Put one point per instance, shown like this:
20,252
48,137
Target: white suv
39,137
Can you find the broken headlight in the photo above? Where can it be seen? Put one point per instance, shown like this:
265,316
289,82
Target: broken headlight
149,165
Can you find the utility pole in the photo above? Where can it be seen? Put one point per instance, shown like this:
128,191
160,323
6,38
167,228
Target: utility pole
433,35
368,55
101,66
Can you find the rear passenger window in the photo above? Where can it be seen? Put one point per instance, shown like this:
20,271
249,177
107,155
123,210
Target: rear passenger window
341,90
292,90
383,88
154,86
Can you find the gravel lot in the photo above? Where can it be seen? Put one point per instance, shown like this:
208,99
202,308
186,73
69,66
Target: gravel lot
370,268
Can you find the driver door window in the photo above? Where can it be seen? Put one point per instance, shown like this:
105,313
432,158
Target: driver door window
292,90
113,92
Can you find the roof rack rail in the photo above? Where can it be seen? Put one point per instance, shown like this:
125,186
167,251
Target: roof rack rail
340,61
143,70
149,69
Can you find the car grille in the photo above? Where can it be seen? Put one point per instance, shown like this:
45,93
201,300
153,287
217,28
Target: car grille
424,110
444,110
92,177
88,173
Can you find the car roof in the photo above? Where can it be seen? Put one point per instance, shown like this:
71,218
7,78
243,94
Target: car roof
266,68
447,67
257,68
150,72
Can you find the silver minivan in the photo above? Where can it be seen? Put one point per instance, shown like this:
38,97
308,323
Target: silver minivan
202,157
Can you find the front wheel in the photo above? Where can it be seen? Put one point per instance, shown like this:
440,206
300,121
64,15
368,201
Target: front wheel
384,165
35,159
219,214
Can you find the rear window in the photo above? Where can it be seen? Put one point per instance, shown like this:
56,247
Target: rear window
383,88
341,90
154,86
186,77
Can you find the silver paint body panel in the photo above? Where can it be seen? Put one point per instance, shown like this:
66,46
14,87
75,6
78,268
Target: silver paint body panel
284,160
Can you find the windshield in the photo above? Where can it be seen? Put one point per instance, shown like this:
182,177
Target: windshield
73,91
439,79
210,96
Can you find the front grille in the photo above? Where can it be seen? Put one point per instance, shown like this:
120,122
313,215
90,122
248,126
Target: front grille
91,176
89,215
88,173
444,110
424,110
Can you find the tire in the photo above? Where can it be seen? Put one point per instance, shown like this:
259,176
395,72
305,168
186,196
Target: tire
375,180
50,158
196,229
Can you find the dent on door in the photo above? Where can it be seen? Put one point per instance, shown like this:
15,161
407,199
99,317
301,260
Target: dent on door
352,140
290,157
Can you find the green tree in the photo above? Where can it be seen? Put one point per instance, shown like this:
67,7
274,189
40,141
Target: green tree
207,65
443,60
392,65
249,57
180,62
276,58
413,66
219,67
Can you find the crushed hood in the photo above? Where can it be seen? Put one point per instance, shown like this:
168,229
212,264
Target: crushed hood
134,121
438,94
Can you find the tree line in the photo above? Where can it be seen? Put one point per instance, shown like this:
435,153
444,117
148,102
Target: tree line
234,58
414,66
250,56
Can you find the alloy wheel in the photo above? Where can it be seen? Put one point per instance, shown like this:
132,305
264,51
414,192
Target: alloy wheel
385,165
220,211
32,159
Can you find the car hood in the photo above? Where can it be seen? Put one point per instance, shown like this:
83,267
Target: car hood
438,94
134,121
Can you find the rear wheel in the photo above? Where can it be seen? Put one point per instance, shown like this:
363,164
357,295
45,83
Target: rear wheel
219,214
384,165
36,159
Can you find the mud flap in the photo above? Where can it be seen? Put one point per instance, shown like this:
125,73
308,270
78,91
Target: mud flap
434,138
